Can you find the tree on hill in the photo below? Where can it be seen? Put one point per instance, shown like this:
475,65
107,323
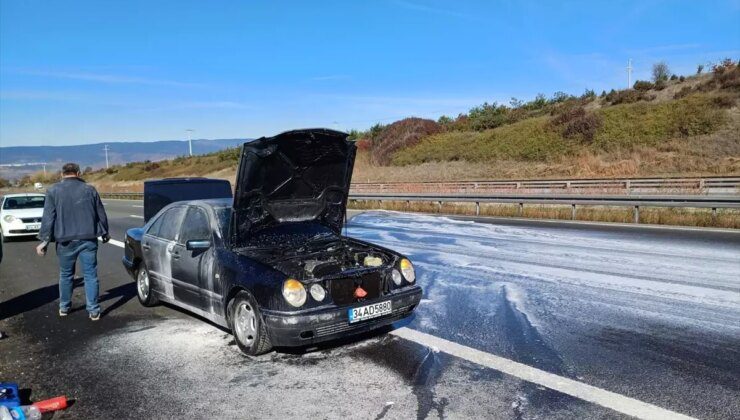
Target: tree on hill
661,72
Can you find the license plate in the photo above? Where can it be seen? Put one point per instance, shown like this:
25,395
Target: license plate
35,226
369,311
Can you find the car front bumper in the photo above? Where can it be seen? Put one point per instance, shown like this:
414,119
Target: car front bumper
18,230
292,329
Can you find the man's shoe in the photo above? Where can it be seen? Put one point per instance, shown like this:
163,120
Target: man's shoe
63,313
95,317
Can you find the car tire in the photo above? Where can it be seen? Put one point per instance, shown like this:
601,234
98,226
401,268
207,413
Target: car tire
144,287
247,326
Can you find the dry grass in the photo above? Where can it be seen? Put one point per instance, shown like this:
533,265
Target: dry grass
726,218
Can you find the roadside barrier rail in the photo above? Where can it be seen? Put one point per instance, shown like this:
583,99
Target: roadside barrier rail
634,201
714,185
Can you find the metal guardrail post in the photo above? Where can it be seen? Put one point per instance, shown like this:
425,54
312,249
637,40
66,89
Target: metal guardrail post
636,214
521,210
477,208
714,216
573,212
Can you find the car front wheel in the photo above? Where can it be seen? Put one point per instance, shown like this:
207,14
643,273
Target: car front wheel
143,287
247,327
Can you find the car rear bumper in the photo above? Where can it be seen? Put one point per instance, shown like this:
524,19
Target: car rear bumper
315,326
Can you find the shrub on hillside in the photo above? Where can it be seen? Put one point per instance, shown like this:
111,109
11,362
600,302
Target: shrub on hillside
589,94
643,85
575,123
400,135
363,144
488,116
629,96
583,127
724,101
685,91
724,65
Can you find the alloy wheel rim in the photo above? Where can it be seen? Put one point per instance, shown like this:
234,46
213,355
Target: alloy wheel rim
245,323
143,284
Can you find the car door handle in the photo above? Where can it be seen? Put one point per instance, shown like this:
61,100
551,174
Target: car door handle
145,247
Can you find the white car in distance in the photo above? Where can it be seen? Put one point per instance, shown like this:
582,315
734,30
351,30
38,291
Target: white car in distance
20,214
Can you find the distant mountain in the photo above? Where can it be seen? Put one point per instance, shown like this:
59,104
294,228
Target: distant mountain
93,154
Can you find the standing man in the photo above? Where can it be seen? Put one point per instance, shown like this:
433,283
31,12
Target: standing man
74,218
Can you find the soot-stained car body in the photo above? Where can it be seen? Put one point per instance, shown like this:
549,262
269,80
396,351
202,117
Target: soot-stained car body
271,264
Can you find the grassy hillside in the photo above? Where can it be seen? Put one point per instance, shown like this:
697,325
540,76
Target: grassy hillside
679,126
539,139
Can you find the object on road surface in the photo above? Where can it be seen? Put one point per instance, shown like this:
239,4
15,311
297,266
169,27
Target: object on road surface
20,214
9,396
52,404
38,186
272,265
25,412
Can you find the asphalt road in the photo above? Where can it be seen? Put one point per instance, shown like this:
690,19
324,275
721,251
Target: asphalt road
519,320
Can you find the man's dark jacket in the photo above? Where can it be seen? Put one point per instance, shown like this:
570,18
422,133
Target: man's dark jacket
73,210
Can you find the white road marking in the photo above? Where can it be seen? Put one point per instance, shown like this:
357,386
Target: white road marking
590,393
602,397
135,205
116,243
136,216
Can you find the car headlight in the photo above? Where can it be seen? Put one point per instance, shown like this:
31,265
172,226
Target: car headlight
9,218
407,270
294,292
396,277
317,292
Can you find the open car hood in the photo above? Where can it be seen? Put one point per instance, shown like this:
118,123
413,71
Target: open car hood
296,176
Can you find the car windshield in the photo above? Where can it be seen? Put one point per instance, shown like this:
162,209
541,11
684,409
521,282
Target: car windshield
30,202
223,214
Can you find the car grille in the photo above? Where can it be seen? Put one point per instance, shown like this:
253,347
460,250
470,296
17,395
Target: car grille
343,290
31,219
344,326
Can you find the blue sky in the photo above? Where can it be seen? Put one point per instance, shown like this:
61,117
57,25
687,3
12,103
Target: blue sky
75,72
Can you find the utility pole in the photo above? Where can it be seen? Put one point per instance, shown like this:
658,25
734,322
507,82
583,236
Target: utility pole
106,156
190,140
629,73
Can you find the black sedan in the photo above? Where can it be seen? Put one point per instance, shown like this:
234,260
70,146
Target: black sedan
270,264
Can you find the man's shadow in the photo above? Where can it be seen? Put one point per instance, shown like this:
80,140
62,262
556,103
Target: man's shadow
47,294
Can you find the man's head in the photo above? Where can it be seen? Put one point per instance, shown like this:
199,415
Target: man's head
70,170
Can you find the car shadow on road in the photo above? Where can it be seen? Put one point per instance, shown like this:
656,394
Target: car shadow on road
123,293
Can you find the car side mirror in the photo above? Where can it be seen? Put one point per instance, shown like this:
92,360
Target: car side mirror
197,245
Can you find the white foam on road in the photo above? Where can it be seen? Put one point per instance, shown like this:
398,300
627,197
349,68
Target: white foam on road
602,397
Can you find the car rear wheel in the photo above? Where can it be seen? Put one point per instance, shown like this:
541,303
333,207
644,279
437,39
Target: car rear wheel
143,287
247,327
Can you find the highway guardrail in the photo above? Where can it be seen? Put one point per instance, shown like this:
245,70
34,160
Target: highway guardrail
698,185
574,201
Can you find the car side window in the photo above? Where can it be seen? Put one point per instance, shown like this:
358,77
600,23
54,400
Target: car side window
154,228
196,226
170,224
